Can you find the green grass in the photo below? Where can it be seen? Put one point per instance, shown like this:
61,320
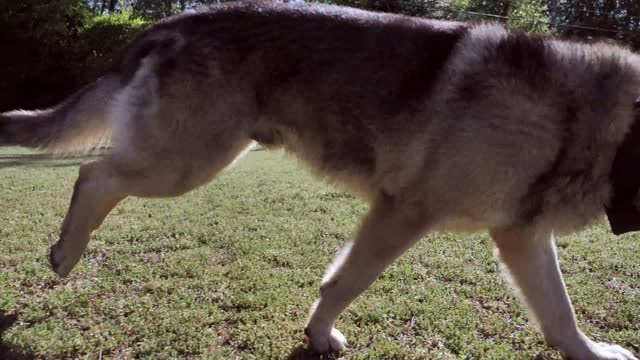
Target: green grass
231,269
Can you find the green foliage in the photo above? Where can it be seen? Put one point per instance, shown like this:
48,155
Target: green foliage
35,41
154,9
47,21
530,16
158,9
102,39
428,8
50,48
619,20
494,7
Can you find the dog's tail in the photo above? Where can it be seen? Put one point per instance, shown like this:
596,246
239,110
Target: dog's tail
79,123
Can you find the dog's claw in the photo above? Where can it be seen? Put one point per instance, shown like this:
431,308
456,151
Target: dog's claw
332,342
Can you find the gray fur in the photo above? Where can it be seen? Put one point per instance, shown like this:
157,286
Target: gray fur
439,125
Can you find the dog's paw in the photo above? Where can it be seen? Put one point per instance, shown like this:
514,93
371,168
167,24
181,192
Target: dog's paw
60,263
325,343
585,349
602,351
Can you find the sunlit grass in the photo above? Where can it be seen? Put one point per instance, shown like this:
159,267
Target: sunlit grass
231,269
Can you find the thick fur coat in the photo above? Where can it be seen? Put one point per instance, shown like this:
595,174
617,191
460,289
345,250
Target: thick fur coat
439,125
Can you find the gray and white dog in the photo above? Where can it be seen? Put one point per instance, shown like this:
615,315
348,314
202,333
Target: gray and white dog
439,125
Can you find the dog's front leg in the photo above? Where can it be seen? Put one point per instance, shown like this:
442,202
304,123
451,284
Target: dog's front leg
390,228
531,259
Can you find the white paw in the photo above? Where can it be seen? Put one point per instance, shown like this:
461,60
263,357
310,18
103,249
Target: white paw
324,343
604,351
584,349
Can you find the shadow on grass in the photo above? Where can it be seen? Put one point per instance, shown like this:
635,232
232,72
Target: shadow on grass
7,351
300,352
43,160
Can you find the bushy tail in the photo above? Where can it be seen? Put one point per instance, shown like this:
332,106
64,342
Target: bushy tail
80,122
77,124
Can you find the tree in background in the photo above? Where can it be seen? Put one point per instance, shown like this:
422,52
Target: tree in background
35,38
527,15
158,9
532,16
615,19
102,38
494,7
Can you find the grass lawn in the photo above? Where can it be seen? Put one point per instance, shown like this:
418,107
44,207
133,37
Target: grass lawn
230,270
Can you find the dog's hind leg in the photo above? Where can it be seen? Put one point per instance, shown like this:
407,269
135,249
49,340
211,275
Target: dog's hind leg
168,139
104,183
531,259
97,190
390,228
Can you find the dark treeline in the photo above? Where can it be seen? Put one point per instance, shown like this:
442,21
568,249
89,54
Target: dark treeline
50,48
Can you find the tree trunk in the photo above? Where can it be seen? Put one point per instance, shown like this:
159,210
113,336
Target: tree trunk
112,5
183,5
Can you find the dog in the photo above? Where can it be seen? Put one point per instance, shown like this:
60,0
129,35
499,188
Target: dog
438,125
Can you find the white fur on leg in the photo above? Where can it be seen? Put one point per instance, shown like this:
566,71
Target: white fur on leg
337,262
329,339
532,262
